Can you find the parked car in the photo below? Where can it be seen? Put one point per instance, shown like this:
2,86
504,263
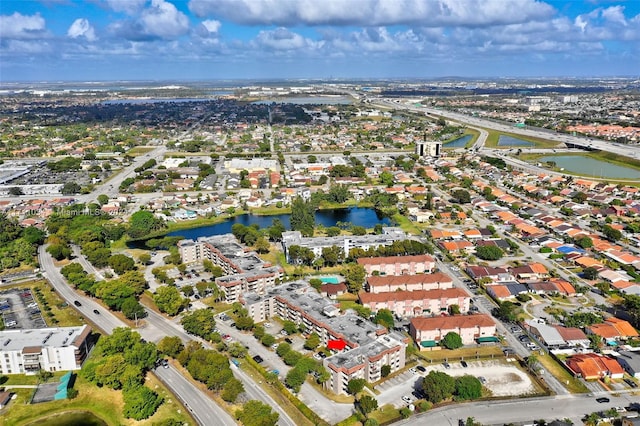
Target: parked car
631,383
406,399
446,365
602,400
421,369
464,363
258,359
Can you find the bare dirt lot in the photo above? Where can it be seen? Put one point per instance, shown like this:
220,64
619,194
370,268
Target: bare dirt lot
502,378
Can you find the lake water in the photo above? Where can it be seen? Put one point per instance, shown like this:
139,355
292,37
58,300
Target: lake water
306,100
591,167
461,142
505,140
76,418
355,215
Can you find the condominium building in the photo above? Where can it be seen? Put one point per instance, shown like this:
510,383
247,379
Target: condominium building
49,349
345,242
367,346
398,265
428,332
405,304
245,271
387,283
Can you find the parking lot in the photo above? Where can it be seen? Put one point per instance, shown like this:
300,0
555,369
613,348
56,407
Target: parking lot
498,376
20,310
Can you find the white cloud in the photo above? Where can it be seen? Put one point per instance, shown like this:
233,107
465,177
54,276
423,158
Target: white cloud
130,7
212,26
81,28
164,20
614,14
282,39
374,12
18,26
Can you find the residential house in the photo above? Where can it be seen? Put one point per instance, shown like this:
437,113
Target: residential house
427,332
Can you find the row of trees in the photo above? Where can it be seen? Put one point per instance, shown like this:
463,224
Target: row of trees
120,294
438,386
122,363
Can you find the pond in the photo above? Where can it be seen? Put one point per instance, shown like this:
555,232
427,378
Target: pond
356,215
75,418
505,140
460,142
589,166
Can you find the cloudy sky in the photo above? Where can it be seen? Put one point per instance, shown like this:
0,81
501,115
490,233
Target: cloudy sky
51,40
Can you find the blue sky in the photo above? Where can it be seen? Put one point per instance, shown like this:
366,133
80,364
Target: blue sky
53,40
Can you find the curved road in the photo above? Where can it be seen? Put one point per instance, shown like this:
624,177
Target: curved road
203,409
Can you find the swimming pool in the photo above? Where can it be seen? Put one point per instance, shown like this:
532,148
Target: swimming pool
330,280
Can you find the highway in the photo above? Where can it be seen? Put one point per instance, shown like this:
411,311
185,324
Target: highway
204,410
631,151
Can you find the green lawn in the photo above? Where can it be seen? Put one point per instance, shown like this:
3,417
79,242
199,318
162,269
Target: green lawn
572,384
494,137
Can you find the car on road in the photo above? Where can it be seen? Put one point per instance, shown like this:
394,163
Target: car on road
464,363
75,302
482,380
97,312
165,363
602,400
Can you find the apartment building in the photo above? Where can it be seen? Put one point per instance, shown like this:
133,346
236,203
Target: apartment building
367,346
345,242
398,265
427,332
383,284
406,304
245,271
49,349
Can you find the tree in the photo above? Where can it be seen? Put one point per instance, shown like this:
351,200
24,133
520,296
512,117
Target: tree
386,178
368,404
489,252
385,318
70,188
461,196
467,387
283,349
144,258
452,340
454,309
103,199
132,309
237,350
302,217
168,300
584,242
290,327
33,235
140,402
312,342
244,322
590,273
143,223
354,275
232,389
15,191
611,233
255,413
200,322
505,311
405,413
355,386
438,386
268,340
262,245
121,263
385,370
170,346
295,378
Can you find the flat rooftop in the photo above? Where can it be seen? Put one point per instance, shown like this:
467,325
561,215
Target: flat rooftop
17,340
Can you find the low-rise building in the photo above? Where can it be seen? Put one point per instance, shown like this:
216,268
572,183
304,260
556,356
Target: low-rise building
428,332
419,302
48,349
345,242
382,284
591,366
630,361
398,265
